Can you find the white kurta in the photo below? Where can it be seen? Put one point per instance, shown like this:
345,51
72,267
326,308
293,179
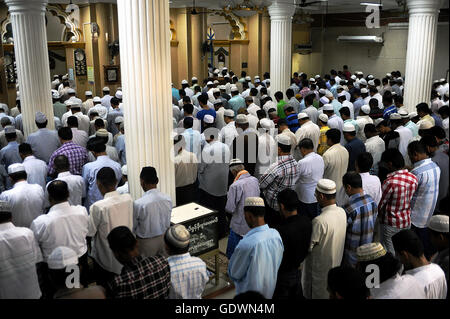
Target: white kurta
36,171
311,131
336,162
432,278
326,250
375,146
76,186
399,287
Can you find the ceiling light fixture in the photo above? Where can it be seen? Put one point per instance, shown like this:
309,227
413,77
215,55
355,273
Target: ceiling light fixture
371,4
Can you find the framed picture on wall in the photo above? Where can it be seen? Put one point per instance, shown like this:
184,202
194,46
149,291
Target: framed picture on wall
112,74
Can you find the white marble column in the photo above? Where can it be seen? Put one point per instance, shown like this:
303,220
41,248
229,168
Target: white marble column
31,51
145,67
280,45
423,19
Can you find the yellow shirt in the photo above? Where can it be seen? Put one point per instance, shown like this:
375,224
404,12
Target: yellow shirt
323,146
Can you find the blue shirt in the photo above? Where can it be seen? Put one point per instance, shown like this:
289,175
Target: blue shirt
357,105
176,94
89,174
10,155
388,111
193,141
413,127
201,114
255,261
333,90
336,106
235,103
354,148
121,150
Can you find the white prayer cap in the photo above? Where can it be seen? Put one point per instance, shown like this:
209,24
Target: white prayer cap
235,161
119,95
217,101
5,206
61,257
184,82
376,122
268,81
301,116
312,80
323,118
257,81
97,99
88,93
439,223
442,80
124,170
359,73
209,119
365,109
284,139
370,252
256,77
55,94
436,81
370,76
254,202
403,114
339,87
322,91
10,129
329,94
317,76
222,87
247,78
71,91
413,115
16,167
388,75
102,133
216,71
228,113
371,83
106,89
234,89
425,125
209,83
353,77
363,82
266,124
395,116
348,127
225,68
241,119
341,94
264,96
326,186
40,118
65,77
216,90
56,76
216,82
364,91
249,99
118,119
328,107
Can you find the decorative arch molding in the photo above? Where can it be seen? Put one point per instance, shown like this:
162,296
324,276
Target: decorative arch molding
238,26
65,19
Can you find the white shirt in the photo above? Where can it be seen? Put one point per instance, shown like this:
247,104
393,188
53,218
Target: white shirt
19,254
371,186
152,213
350,107
123,189
213,168
252,121
267,153
311,131
312,112
83,121
445,125
295,152
379,98
310,168
336,162
80,137
432,278
185,168
375,146
105,215
399,287
405,136
63,225
336,122
252,109
100,109
220,122
27,202
36,171
228,133
76,186
361,121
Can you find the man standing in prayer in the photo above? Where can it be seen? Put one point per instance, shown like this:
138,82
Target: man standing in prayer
335,158
308,129
35,168
354,145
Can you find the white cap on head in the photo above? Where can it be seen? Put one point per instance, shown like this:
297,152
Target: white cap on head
97,99
88,93
284,139
71,91
257,81
323,118
119,95
436,81
247,78
341,94
210,83
371,251
370,77
395,116
301,116
118,119
365,109
209,119
106,89
55,94
234,89
364,91
16,167
124,170
348,127
353,77
216,90
362,82
359,73
216,71
312,80
256,77
65,77
322,91
328,107
317,76
339,87
40,118
439,223
228,113
254,202
326,186
442,80
184,82
371,83
413,115
388,75
404,114
222,87
216,82
266,124
329,94
61,257
194,79
10,129
235,161
241,119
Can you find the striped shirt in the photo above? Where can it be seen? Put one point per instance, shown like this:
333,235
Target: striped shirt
397,192
188,276
281,175
424,199
361,215
388,111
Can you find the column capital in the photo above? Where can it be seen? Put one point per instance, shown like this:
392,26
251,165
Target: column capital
424,6
30,6
281,10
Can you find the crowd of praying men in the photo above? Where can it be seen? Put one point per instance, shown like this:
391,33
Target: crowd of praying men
314,187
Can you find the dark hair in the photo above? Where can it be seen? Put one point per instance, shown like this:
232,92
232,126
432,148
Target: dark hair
149,175
290,93
438,132
255,211
373,103
428,140
389,266
306,143
203,98
398,99
188,108
72,121
423,107
186,99
25,149
407,240
370,128
11,136
373,90
282,122
61,162
18,176
107,177
188,122
309,99
261,114
364,162
416,147
58,190
285,148
42,125
99,123
353,179
348,282
65,133
384,123
182,92
96,145
253,91
444,110
334,135
289,109
288,197
121,239
115,101
345,111
278,95
394,156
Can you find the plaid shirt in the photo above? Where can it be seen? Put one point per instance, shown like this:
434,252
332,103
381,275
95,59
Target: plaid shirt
397,192
142,278
76,155
361,215
281,175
